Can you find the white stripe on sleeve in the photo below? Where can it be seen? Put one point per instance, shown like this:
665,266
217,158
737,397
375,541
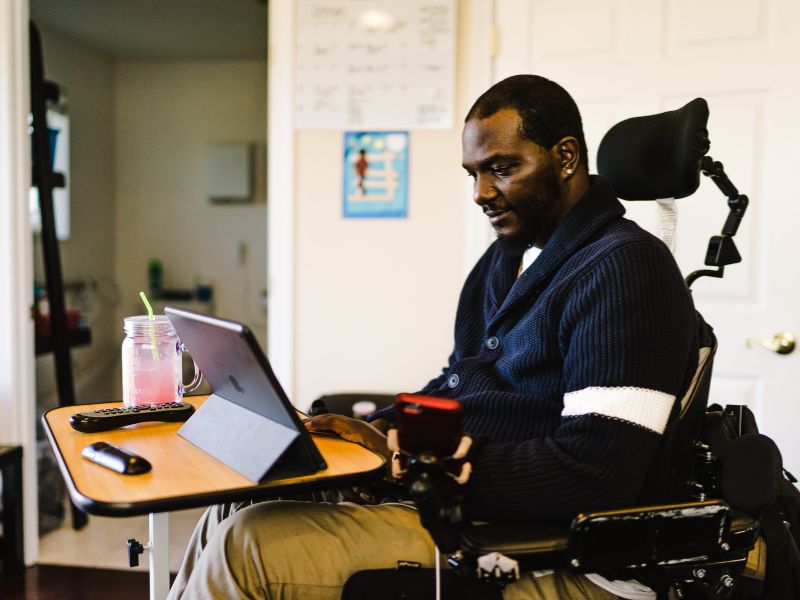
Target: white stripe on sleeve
641,406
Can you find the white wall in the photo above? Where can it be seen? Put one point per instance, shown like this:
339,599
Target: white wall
87,78
167,112
375,299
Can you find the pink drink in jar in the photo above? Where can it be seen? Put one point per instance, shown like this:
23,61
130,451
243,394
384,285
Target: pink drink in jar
151,362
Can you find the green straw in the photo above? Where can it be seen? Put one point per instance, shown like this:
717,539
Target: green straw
149,308
147,305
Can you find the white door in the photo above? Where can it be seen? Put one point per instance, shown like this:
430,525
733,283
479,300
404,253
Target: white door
622,58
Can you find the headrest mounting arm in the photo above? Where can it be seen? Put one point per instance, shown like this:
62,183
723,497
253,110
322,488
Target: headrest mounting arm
736,202
721,248
695,275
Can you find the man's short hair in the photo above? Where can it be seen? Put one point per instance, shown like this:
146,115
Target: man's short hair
547,110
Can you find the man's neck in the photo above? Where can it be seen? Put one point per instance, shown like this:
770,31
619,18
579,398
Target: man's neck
574,189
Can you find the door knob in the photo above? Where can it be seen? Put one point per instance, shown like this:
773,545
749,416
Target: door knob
781,343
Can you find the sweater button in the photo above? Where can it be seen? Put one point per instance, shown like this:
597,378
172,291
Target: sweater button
492,343
452,381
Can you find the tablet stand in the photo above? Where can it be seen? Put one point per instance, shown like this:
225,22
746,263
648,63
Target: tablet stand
247,442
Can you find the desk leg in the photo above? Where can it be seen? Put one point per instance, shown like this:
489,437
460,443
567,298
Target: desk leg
159,555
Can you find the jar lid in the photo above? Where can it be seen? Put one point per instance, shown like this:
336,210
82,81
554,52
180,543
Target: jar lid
159,325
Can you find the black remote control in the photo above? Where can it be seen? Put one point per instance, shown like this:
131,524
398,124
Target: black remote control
111,418
116,459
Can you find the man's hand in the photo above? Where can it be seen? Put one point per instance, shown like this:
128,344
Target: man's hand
353,430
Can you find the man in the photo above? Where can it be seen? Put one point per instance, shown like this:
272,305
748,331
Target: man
567,370
361,171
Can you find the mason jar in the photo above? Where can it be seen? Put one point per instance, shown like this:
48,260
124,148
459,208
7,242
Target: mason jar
152,367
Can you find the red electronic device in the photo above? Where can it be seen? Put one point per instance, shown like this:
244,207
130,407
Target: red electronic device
428,424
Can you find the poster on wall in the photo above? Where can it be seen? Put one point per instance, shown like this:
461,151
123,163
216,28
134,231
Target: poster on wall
375,174
375,64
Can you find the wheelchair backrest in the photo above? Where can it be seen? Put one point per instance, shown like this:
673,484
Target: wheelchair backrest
673,465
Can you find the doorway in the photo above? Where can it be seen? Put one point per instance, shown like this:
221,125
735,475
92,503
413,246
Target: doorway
151,90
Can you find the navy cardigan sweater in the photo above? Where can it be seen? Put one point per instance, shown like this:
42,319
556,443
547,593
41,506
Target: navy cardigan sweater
569,373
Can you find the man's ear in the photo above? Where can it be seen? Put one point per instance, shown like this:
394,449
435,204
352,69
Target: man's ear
566,153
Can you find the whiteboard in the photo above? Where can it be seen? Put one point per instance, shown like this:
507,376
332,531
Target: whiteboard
375,64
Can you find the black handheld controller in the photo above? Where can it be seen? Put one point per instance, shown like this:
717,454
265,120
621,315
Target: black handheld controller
111,418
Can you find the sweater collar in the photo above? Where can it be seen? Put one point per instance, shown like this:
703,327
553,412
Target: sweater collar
595,209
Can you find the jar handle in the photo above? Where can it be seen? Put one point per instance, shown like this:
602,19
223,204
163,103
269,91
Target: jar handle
198,375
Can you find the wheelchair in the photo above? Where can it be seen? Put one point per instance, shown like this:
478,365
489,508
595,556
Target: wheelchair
699,531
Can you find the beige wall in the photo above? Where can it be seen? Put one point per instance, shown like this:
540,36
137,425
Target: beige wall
87,77
167,113
375,298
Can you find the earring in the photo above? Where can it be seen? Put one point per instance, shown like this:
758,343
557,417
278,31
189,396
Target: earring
569,171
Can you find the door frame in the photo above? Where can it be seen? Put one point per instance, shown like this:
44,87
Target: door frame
17,361
281,281
483,63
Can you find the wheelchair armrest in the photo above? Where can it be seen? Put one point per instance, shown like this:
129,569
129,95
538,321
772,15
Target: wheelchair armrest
663,535
648,536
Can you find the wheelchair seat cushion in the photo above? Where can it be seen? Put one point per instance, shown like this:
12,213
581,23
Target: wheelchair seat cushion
391,584
538,544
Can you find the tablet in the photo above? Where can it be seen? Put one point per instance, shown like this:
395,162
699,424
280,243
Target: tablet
248,422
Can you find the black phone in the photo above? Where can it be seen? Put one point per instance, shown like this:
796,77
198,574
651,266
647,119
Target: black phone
428,424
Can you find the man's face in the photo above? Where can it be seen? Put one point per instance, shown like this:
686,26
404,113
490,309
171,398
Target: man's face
516,181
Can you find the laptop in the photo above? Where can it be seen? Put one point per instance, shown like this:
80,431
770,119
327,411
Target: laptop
248,422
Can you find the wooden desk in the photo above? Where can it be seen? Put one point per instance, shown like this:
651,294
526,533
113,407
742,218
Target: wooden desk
183,476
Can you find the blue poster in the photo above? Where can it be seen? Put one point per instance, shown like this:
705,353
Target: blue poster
375,174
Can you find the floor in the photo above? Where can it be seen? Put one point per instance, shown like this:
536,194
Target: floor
43,582
92,563
101,544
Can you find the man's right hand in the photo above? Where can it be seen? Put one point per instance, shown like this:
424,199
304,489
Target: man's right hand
368,435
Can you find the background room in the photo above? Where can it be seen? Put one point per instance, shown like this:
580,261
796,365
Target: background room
167,106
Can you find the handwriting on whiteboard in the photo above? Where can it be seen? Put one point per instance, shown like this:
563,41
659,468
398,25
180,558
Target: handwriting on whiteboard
375,64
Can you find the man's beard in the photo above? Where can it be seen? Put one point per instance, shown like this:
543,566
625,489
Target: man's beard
533,228
512,245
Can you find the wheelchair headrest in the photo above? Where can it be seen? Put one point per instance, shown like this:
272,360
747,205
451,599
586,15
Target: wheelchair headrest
657,156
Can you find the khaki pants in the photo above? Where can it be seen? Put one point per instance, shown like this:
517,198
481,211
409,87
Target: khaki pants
307,551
